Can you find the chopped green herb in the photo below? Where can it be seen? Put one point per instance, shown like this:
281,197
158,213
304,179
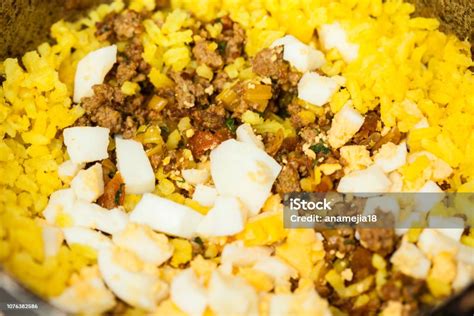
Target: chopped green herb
320,148
118,194
221,46
230,123
199,241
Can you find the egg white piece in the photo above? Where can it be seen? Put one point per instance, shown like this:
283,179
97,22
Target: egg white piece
432,242
464,276
302,303
91,215
370,180
195,176
390,157
245,134
226,218
129,279
231,295
166,216
188,293
92,69
387,204
429,195
411,261
345,125
52,239
301,56
149,246
334,36
205,195
60,202
452,227
88,184
134,166
243,171
236,254
409,222
87,237
68,170
87,295
280,271
86,144
316,89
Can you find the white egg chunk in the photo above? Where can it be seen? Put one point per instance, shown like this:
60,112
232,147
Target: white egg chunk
60,202
68,170
428,196
316,89
345,124
432,242
306,302
301,56
134,166
231,295
464,276
413,220
334,36
166,216
390,157
452,227
205,195
133,281
280,271
52,239
236,254
411,261
94,216
243,171
246,134
88,184
87,237
195,176
87,294
370,180
226,218
149,246
387,204
188,293
86,144
92,69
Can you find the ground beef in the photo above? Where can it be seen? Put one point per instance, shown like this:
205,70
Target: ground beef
269,63
369,127
400,287
380,240
120,27
232,40
361,264
338,240
207,56
212,118
288,180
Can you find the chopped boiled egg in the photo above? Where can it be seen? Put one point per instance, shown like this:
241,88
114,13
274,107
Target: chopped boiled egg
413,220
205,195
370,180
345,125
390,157
246,134
355,157
166,216
411,261
387,204
130,279
432,242
440,168
306,302
86,144
301,56
52,239
195,176
236,254
334,36
88,184
134,166
226,218
149,246
188,293
279,270
464,276
316,89
91,70
94,216
429,195
60,202
86,295
87,237
243,171
231,295
68,170
452,227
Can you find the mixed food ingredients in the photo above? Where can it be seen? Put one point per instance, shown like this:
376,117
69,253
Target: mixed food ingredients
145,152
